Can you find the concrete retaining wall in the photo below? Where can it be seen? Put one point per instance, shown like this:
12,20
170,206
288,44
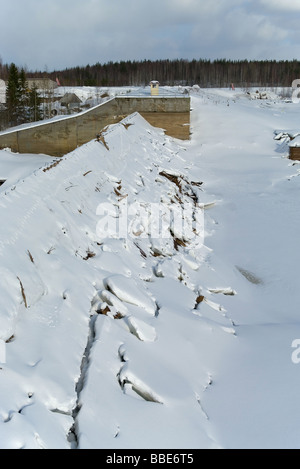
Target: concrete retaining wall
62,136
157,104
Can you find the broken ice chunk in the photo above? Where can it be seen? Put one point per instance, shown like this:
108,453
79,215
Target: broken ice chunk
127,290
141,330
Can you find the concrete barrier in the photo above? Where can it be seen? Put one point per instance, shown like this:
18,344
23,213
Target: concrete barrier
56,138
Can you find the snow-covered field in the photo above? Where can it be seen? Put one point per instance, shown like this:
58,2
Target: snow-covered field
150,287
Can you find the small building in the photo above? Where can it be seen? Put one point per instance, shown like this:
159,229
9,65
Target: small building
70,100
154,85
44,84
2,92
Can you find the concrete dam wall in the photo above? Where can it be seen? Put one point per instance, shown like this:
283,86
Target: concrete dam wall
56,138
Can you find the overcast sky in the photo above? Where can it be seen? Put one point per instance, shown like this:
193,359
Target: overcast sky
56,34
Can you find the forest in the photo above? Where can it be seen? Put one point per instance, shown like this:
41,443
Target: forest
25,105
205,73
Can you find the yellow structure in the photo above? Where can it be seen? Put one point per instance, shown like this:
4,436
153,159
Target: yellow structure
154,88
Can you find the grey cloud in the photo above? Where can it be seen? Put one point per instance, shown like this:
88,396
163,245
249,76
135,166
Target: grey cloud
64,33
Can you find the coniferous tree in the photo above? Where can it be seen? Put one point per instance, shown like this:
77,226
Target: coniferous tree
24,98
13,95
203,72
22,104
34,105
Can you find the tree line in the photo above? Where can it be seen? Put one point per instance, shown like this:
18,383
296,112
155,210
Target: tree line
24,104
205,73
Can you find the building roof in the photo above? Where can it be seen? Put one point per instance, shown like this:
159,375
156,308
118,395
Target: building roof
70,98
41,83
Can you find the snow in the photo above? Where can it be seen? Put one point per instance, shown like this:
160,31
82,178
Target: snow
14,167
123,329
263,94
46,121
295,142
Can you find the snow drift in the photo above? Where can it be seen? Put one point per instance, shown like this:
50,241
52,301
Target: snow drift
77,308
126,322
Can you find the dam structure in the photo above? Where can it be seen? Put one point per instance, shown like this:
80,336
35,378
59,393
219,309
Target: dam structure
60,136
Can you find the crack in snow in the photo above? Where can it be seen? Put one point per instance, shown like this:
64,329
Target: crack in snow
73,437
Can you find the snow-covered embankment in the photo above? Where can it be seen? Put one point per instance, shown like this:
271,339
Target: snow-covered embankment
105,346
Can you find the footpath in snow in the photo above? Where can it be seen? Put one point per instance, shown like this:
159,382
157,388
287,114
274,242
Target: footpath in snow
149,294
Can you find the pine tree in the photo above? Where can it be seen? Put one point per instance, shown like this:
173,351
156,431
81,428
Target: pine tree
22,104
13,95
34,105
24,98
